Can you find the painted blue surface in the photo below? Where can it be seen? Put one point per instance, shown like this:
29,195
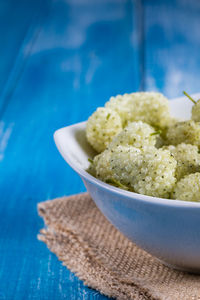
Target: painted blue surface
59,61
71,61
172,43
18,21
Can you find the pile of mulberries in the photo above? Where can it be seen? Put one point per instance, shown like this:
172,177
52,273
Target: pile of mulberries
141,148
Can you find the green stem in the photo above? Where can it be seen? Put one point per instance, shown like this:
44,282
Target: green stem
156,132
116,183
90,160
108,116
187,95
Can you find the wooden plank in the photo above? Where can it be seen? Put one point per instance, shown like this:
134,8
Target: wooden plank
16,25
172,46
85,52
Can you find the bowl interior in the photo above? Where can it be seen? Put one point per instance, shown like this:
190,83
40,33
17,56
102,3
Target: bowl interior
72,143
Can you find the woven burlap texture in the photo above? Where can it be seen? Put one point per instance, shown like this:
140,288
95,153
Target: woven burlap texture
82,238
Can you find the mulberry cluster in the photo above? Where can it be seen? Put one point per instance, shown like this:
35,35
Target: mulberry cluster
145,150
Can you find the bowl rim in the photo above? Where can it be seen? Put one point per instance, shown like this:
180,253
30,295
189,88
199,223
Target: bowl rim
127,194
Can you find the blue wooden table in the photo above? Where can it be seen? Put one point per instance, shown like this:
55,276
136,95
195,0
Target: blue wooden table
59,60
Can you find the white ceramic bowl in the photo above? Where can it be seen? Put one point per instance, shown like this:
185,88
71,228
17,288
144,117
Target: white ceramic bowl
167,229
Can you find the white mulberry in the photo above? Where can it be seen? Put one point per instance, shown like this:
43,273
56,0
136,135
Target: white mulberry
188,188
187,157
101,127
150,172
149,107
187,132
137,134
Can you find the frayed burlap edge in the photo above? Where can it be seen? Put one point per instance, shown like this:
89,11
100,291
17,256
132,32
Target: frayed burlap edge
77,256
81,238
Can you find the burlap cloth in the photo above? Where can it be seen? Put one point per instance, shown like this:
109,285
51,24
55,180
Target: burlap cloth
104,259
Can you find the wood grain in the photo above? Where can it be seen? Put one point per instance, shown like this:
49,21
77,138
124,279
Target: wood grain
79,54
18,24
172,43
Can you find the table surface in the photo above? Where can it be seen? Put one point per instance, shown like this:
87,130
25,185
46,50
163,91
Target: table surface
60,59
